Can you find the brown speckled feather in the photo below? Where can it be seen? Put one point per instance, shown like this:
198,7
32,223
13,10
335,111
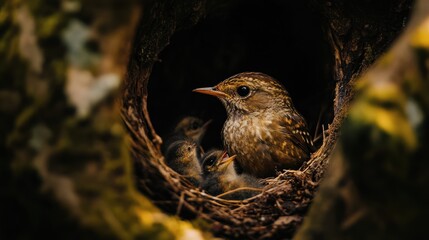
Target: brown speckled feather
295,129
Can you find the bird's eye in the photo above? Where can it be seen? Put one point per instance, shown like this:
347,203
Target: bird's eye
243,91
195,125
212,161
189,149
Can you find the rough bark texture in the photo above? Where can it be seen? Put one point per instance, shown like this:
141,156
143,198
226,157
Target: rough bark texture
66,168
359,31
377,186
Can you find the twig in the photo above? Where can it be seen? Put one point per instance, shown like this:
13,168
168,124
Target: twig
239,189
181,200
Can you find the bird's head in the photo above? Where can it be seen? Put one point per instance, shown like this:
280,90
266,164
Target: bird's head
249,92
184,151
217,162
192,127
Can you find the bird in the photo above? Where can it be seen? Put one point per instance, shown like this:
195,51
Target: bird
263,128
188,127
219,176
183,156
191,127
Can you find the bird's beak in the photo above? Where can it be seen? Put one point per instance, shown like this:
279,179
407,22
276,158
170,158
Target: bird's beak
224,155
206,124
210,91
225,162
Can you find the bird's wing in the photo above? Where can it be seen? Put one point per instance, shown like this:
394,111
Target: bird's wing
295,128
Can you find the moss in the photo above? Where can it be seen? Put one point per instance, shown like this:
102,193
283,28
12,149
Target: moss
77,183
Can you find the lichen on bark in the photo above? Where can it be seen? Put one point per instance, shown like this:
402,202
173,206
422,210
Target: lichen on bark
67,162
377,186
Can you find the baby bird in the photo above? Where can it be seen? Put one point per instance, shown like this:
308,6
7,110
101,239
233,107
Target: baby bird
219,176
191,127
183,156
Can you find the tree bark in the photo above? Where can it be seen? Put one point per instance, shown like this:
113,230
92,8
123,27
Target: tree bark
377,184
66,168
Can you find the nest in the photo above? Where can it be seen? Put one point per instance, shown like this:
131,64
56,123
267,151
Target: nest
276,211
279,208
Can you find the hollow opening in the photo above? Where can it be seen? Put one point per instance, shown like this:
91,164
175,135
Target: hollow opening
282,39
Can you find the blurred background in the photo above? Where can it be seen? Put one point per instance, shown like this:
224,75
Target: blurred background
65,167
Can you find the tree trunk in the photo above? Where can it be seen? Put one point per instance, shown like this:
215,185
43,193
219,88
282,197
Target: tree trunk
66,166
377,186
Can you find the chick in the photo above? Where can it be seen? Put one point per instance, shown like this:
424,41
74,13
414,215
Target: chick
219,176
188,128
183,156
191,127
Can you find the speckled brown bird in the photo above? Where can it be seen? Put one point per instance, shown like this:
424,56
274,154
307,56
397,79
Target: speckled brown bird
219,176
183,156
263,128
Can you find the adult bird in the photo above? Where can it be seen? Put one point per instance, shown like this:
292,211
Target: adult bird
263,128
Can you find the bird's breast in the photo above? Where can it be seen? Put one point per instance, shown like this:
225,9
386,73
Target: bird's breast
246,137
241,130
